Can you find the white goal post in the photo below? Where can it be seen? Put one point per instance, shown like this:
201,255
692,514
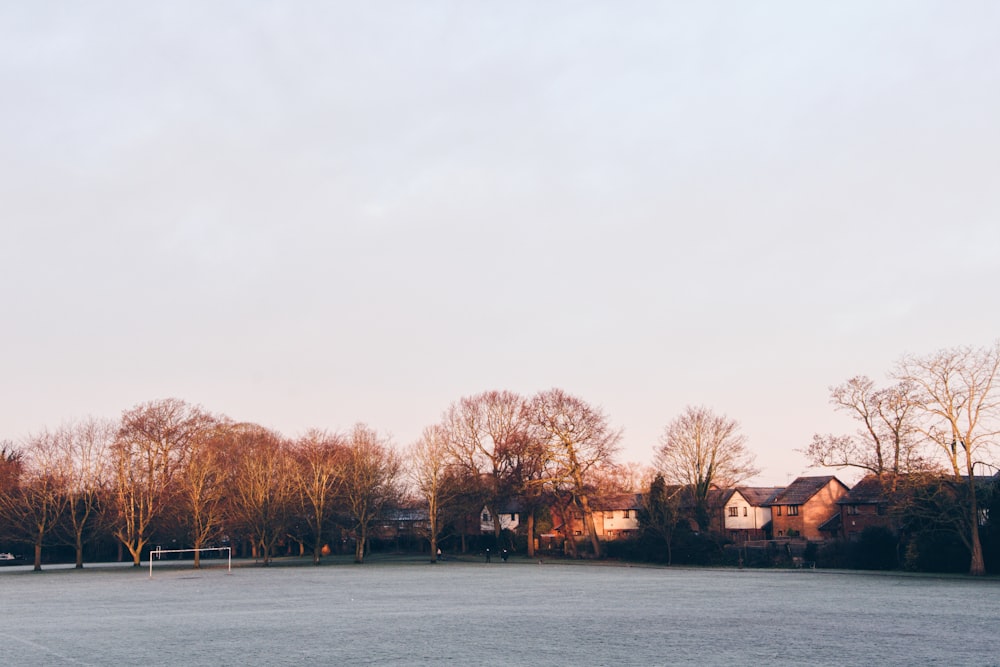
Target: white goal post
158,552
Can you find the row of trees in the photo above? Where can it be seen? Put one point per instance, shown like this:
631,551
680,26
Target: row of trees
930,436
169,470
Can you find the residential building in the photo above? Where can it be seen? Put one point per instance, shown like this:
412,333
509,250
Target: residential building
804,505
746,514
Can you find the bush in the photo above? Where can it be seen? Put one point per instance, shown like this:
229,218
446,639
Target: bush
936,551
875,550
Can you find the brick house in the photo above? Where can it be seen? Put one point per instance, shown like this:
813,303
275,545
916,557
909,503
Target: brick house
865,505
615,517
804,505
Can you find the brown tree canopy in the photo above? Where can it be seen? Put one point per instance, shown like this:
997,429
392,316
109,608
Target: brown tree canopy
887,442
577,439
700,449
958,401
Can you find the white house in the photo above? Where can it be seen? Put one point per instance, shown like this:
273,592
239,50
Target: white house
745,514
617,516
510,519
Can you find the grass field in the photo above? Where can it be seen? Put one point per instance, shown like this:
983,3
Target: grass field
404,611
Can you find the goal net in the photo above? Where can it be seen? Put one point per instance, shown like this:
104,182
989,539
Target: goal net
158,553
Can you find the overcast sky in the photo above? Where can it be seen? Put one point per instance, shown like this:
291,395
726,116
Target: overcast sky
309,214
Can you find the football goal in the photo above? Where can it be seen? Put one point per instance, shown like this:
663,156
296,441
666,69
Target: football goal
157,553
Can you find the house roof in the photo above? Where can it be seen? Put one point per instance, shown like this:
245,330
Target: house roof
802,489
868,491
618,501
831,525
759,495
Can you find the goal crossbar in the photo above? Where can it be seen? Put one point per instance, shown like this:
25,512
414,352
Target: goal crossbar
157,552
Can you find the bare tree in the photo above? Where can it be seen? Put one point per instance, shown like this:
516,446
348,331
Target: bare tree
319,468
486,435
85,448
959,405
263,488
36,504
203,486
371,467
886,443
577,439
150,450
699,450
11,471
434,477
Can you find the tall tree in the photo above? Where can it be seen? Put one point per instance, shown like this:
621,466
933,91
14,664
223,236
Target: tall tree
371,468
203,485
435,479
577,439
319,469
151,448
11,471
85,447
700,449
263,489
38,501
886,443
959,405
486,437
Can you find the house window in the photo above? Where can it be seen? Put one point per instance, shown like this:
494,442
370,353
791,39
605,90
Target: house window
610,514
513,516
486,516
793,510
852,509
626,513
734,511
778,509
744,511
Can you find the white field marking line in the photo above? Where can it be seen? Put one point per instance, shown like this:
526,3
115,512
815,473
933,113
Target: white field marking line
46,649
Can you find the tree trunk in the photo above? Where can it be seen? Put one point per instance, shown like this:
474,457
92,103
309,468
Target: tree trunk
531,534
976,565
588,520
38,556
359,546
79,552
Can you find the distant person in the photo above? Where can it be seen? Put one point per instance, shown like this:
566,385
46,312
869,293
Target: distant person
439,553
487,555
503,555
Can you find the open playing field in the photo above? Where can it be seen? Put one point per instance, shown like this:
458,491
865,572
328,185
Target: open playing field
516,613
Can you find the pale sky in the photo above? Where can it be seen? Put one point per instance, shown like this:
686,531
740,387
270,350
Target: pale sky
310,214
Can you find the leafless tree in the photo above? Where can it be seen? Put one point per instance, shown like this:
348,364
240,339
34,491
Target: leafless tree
577,439
958,401
319,469
38,501
263,488
887,443
371,468
435,479
486,435
700,449
11,471
151,448
85,449
203,485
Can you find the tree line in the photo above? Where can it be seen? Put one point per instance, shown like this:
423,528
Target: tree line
170,470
